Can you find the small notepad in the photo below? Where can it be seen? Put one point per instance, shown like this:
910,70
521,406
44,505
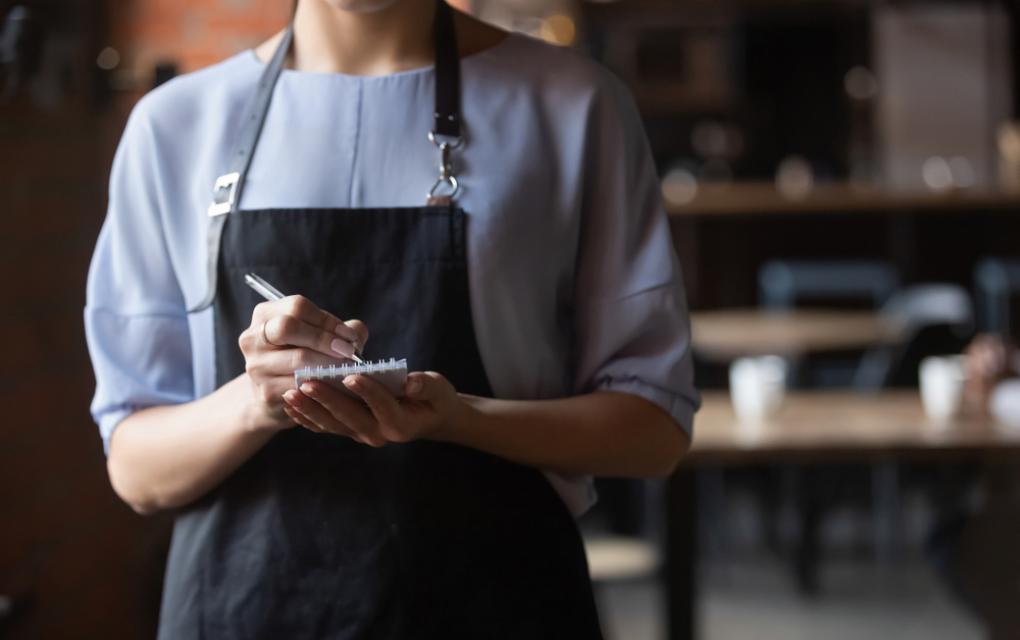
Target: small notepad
390,373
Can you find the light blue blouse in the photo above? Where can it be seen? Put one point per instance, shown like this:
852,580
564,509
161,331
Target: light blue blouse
574,281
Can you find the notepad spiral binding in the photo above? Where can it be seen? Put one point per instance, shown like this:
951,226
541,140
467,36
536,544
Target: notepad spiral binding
390,373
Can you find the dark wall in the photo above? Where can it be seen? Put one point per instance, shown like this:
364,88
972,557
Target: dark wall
78,563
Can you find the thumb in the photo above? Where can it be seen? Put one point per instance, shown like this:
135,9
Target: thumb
425,386
355,331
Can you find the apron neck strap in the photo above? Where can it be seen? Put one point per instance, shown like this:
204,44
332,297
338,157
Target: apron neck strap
447,113
227,189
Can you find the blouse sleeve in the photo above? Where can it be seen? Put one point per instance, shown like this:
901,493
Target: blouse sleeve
631,325
136,325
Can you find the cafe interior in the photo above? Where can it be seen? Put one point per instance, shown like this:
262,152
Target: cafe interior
840,179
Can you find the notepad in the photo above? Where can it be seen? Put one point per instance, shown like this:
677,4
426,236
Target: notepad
390,373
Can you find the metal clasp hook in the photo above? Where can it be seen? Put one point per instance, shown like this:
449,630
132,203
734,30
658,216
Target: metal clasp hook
436,195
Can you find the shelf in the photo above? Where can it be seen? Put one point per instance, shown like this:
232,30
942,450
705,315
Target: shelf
762,198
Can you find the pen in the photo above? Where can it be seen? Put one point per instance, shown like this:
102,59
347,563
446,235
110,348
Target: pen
269,292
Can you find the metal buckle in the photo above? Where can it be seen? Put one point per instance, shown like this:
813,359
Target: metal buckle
445,198
439,140
227,181
445,145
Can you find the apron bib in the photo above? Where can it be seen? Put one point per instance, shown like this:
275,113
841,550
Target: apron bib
318,536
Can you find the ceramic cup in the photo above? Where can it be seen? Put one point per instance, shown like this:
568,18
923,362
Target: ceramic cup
942,381
1004,404
757,386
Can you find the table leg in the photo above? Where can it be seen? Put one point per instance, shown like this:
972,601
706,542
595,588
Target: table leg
681,555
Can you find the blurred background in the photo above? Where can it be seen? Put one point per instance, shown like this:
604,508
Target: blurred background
842,179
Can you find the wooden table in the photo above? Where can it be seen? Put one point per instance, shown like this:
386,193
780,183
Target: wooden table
811,427
831,424
725,335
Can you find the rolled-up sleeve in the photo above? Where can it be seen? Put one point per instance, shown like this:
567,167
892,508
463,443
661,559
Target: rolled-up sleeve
631,324
136,326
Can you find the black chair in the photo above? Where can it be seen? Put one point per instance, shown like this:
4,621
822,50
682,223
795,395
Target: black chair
784,284
996,282
936,319
862,284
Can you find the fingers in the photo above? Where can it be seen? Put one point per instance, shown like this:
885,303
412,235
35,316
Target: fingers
382,418
283,363
297,321
359,333
329,406
300,418
988,357
426,386
291,331
298,306
380,401
311,415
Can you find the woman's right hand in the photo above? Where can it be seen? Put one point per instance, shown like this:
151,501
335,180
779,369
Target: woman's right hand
989,361
285,335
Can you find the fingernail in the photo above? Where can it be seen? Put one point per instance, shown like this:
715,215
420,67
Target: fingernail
289,396
351,382
307,389
414,386
344,331
341,347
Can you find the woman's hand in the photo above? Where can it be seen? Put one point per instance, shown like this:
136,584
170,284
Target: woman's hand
285,335
430,405
989,361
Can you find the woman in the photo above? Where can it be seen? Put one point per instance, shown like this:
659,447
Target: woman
531,283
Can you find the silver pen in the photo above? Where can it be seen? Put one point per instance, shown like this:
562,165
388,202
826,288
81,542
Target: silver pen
269,292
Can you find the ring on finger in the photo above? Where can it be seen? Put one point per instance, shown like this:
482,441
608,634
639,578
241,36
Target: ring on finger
265,336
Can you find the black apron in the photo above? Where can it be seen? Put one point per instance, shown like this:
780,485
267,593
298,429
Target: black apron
318,536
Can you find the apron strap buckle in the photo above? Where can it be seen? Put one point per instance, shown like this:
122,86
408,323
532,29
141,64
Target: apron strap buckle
446,144
224,192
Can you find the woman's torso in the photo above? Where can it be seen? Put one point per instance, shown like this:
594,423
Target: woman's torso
333,140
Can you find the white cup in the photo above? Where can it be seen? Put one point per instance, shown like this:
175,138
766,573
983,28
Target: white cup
1005,403
757,386
942,380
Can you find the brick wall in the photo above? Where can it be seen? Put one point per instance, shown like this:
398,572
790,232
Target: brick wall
193,33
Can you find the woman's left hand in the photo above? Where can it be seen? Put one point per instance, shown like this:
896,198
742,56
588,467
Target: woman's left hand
430,405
